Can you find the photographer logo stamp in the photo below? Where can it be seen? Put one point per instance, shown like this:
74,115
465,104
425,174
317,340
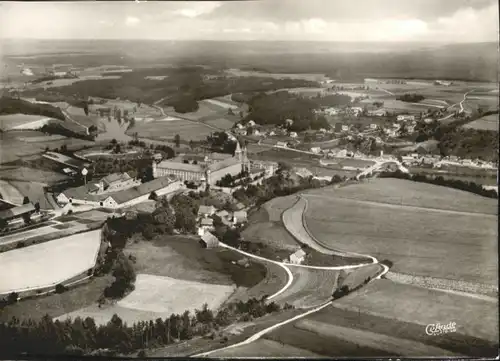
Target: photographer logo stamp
436,329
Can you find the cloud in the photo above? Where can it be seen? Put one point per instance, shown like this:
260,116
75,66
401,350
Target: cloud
296,10
132,21
198,9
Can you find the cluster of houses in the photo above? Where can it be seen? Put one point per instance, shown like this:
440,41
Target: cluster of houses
206,215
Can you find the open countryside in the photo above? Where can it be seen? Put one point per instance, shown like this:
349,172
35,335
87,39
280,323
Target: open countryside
262,194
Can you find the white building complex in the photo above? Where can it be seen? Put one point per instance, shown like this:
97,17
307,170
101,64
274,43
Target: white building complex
120,193
210,170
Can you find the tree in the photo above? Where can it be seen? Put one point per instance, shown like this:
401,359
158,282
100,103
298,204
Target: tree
177,140
12,298
37,207
153,196
86,108
26,200
232,237
125,276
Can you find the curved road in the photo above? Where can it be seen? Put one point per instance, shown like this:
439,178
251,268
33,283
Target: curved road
261,333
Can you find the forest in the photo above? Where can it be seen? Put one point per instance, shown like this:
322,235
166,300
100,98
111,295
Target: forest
14,106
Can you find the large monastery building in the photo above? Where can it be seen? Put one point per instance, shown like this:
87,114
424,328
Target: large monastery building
211,169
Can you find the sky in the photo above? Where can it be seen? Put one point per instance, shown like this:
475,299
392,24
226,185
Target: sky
449,21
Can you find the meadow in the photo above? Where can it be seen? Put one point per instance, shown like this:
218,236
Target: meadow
49,263
158,296
408,228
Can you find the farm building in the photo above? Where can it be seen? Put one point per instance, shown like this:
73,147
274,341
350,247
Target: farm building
282,144
269,167
206,224
239,217
298,257
211,172
208,240
117,181
378,113
124,198
206,211
405,118
14,213
316,150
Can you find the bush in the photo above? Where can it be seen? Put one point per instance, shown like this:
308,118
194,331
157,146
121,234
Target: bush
12,298
61,288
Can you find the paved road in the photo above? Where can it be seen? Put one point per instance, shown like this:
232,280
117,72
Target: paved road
261,333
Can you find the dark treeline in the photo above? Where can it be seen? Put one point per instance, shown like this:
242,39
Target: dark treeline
182,87
220,142
452,183
411,98
278,185
15,106
456,140
84,337
277,107
60,129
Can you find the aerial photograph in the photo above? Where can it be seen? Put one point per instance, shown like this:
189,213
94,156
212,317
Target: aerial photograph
266,179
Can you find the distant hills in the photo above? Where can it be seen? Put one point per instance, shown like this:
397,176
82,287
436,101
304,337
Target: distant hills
464,61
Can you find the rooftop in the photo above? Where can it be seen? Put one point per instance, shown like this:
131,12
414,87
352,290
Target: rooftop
181,166
116,177
17,211
143,189
223,164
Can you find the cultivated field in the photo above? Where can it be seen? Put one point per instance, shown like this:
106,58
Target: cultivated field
420,239
10,193
49,263
12,148
474,317
187,130
388,319
30,174
488,122
310,287
245,73
276,206
292,219
266,348
22,121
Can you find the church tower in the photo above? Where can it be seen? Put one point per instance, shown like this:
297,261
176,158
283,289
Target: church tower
245,162
238,153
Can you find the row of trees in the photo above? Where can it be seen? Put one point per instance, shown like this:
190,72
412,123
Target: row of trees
452,183
85,337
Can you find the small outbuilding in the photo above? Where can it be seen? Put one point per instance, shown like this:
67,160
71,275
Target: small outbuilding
298,257
208,240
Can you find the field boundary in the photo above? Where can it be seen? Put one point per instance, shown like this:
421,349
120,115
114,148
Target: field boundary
443,284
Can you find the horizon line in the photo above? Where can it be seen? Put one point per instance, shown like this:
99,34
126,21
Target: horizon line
252,40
